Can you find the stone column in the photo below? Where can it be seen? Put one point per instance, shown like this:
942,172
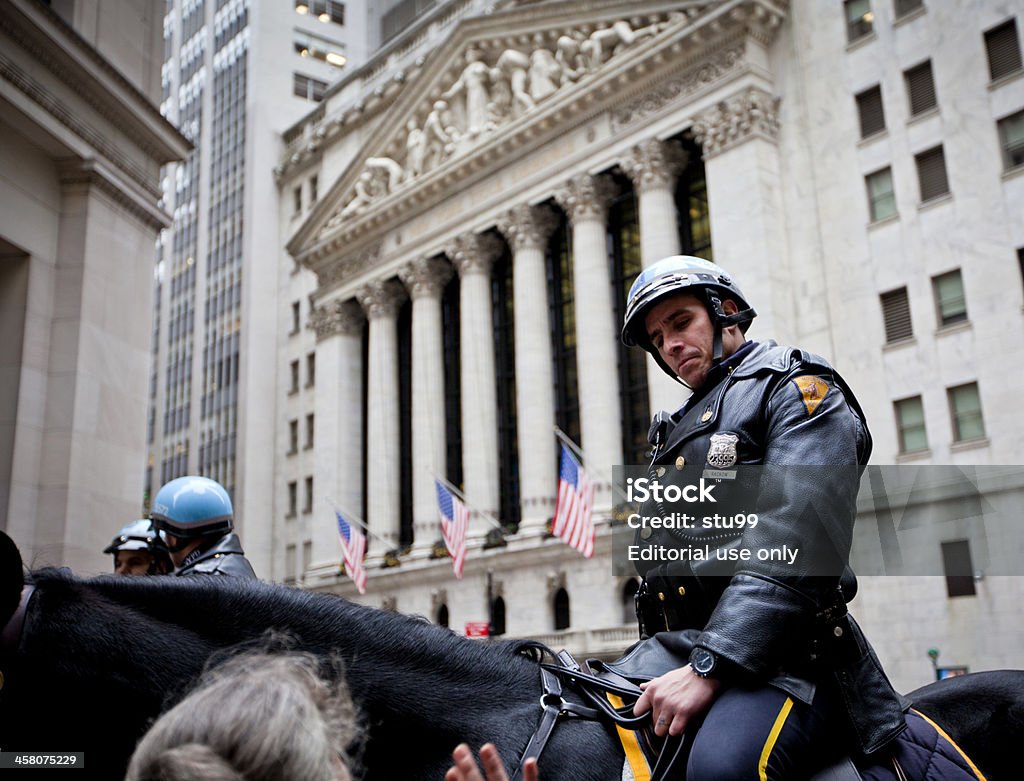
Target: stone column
473,255
654,167
425,279
585,199
527,229
381,300
338,474
739,137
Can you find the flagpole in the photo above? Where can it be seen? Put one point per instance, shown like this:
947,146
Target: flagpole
350,517
578,452
462,497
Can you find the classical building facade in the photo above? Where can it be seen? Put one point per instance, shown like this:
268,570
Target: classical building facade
492,182
81,145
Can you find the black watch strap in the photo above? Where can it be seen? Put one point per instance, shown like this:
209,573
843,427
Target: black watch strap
703,662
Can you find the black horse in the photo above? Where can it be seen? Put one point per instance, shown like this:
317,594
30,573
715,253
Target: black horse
95,661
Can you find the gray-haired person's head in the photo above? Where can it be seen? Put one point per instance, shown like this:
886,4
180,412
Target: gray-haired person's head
256,717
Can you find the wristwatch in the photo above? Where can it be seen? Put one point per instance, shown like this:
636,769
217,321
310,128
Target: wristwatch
703,662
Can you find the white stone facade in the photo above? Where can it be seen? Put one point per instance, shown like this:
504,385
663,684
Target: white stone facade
547,108
81,145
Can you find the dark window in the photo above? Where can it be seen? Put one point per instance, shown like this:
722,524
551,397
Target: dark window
950,301
869,107
1003,49
561,606
294,388
442,615
910,425
404,328
293,498
920,88
624,250
896,314
505,377
1020,262
904,7
307,505
956,563
563,332
965,410
296,318
1011,138
324,10
314,194
858,19
310,428
297,200
452,381
310,370
293,436
308,88
401,16
931,174
498,617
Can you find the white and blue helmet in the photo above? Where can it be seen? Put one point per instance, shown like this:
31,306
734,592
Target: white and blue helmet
191,507
141,535
709,282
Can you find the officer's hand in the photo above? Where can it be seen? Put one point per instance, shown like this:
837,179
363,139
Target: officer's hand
676,698
465,768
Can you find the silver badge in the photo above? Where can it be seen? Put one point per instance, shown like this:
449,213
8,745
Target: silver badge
722,453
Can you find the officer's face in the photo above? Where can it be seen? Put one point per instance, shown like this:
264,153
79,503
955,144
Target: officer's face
680,329
132,562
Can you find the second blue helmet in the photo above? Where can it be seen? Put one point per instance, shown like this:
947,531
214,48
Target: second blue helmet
193,506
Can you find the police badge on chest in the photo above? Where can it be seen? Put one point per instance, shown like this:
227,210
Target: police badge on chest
722,456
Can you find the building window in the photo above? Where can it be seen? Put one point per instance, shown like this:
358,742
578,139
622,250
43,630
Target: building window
296,201
296,317
314,194
950,302
295,377
920,88
450,336
442,615
869,107
293,437
965,409
308,88
327,11
307,555
904,7
293,498
505,389
858,19
310,370
309,431
307,504
289,563
1003,49
959,569
896,314
562,309
1020,262
910,425
498,617
1011,137
561,608
314,47
931,174
881,198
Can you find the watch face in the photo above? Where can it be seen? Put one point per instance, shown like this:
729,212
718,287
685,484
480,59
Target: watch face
702,661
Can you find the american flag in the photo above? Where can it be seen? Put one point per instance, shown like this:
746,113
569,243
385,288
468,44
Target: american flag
454,526
573,520
353,545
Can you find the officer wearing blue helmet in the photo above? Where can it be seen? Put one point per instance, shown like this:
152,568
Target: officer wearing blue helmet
139,549
780,680
196,515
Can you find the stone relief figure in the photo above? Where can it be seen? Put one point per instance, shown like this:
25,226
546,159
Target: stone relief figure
415,150
545,74
473,84
499,107
514,64
438,141
380,176
606,42
569,59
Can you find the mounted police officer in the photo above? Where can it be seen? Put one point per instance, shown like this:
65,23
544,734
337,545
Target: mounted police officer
780,679
139,549
196,515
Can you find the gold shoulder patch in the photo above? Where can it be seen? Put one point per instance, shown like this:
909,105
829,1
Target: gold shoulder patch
812,389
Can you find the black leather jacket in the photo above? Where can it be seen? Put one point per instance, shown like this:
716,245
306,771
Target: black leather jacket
224,557
784,625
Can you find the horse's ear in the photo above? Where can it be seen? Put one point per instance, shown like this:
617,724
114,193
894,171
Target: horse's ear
12,578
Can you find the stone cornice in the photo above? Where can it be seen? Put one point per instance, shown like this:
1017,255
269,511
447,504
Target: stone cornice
94,174
750,113
331,274
52,43
600,91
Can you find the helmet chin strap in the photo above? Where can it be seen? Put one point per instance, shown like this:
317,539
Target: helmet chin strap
720,321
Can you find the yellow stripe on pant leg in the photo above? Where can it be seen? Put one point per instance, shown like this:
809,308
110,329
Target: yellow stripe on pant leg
630,744
773,736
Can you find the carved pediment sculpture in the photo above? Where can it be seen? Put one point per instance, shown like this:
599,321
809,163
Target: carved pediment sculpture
493,88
